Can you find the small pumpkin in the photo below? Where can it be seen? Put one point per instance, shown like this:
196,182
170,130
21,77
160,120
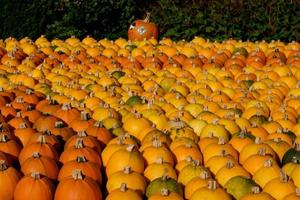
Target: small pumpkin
142,29
132,179
34,186
191,171
43,165
125,157
211,192
158,169
41,147
79,149
166,182
292,155
77,187
165,194
89,168
9,178
239,186
124,193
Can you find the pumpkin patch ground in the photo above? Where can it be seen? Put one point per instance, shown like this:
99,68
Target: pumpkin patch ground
149,119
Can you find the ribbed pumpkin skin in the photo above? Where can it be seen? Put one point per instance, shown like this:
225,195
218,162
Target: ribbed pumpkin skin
34,188
8,181
77,189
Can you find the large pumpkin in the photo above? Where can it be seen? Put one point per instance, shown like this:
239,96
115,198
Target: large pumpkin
34,186
142,29
78,187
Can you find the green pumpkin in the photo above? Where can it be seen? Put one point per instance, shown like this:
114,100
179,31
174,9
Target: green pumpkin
240,51
118,74
134,100
239,186
258,120
165,182
292,155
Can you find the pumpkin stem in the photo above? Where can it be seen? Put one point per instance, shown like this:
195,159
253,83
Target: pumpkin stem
81,159
212,184
59,124
123,187
189,158
3,138
42,139
130,147
261,151
22,125
36,155
221,141
82,134
127,170
3,165
156,143
196,163
147,18
20,99
268,163
84,116
159,160
164,192
79,143
255,189
35,175
283,177
77,174
229,164
257,140
297,146
298,192
204,175
98,124
66,106
18,114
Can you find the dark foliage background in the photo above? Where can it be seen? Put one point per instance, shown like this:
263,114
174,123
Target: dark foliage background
178,19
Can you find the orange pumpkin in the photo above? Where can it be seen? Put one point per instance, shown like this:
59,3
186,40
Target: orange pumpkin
142,29
34,186
78,186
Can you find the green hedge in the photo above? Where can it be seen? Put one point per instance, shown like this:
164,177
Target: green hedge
178,19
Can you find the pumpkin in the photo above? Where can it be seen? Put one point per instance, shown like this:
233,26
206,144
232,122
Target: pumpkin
40,147
79,149
211,192
280,187
157,150
292,155
195,184
132,179
142,29
102,134
43,165
34,186
158,169
229,171
125,157
124,193
266,173
239,186
24,133
191,171
165,182
87,140
166,195
256,194
78,187
88,168
9,177
10,147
